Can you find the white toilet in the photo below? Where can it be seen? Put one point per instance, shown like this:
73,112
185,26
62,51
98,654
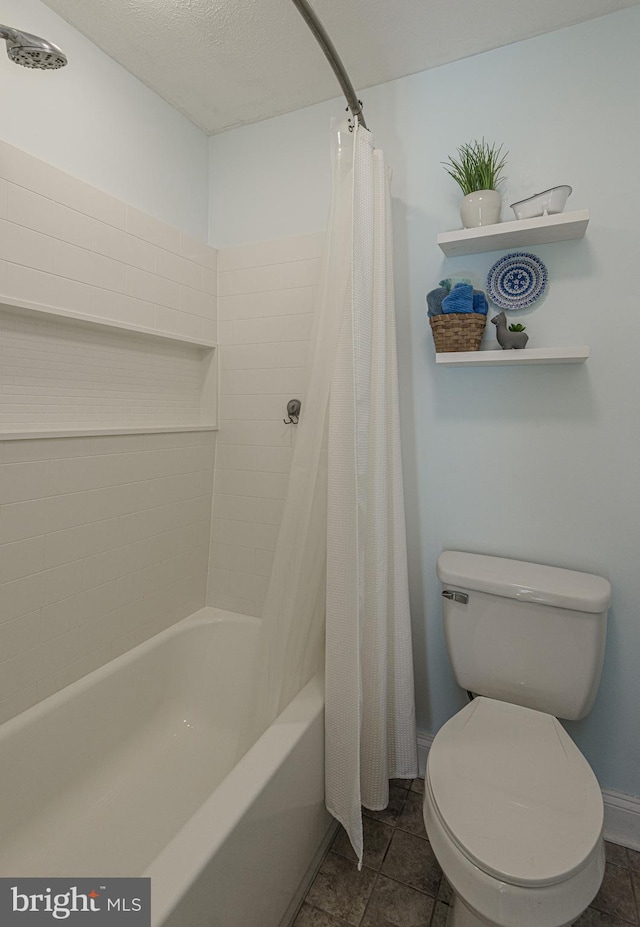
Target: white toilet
513,810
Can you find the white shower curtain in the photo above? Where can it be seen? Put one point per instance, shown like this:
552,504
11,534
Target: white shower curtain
370,715
345,512
291,647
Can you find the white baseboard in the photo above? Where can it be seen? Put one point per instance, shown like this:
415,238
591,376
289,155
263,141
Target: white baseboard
424,743
621,812
622,818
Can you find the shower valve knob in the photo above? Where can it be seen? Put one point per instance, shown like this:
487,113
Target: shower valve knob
293,411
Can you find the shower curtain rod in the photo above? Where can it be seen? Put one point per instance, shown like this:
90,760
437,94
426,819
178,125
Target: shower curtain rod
332,57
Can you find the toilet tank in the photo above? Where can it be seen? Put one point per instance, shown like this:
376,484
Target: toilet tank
524,633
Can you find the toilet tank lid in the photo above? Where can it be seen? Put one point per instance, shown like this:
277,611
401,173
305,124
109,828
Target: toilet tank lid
528,582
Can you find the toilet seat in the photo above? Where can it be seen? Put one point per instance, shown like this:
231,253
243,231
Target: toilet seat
514,793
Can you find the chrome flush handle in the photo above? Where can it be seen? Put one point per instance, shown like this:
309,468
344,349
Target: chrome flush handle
461,597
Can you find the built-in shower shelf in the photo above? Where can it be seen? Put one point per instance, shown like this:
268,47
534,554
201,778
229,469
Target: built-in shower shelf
9,303
512,358
517,233
67,374
89,431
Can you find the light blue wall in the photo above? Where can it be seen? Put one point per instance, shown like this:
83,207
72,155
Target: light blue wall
94,120
537,463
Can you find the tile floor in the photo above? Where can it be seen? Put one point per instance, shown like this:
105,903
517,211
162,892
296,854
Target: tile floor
401,883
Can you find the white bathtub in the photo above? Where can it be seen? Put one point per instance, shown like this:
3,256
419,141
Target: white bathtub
130,771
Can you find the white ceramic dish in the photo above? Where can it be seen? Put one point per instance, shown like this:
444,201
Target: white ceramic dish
547,203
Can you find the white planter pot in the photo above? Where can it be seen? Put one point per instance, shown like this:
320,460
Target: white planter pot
481,208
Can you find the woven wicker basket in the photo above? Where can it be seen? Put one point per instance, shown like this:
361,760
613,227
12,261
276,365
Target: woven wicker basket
457,331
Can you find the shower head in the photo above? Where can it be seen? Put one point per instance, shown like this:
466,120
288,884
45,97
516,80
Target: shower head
31,51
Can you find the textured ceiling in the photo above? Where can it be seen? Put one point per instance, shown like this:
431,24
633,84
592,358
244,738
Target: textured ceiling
227,62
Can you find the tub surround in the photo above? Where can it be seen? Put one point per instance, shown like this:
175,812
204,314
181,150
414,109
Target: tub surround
267,296
103,542
87,522
104,538
108,315
66,244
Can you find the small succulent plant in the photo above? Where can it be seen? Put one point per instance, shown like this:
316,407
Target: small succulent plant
516,327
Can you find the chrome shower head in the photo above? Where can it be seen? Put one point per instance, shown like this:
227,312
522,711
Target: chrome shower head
31,51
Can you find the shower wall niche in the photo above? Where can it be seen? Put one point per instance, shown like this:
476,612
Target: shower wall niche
60,375
107,315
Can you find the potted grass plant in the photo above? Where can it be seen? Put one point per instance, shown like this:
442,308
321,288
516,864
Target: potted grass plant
477,170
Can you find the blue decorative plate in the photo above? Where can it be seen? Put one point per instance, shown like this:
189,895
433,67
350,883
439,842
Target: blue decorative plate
517,280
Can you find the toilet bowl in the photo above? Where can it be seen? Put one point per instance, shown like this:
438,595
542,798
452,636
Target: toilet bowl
513,810
514,815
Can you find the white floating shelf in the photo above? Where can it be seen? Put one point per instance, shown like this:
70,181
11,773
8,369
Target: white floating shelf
515,234
512,358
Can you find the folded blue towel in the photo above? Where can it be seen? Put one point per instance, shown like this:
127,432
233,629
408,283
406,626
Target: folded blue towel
460,299
480,304
434,301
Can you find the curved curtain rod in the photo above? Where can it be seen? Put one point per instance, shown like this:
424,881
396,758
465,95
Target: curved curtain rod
332,57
